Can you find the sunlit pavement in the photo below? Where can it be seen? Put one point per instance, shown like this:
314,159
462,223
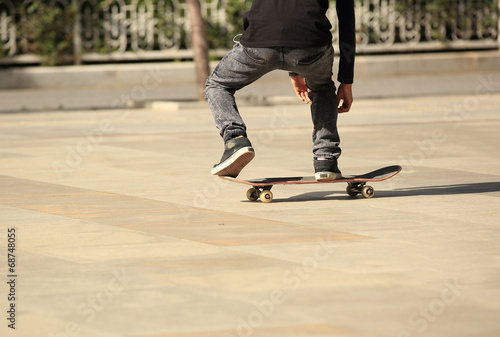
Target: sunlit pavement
120,230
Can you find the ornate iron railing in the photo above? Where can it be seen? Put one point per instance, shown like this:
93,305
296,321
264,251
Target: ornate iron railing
105,30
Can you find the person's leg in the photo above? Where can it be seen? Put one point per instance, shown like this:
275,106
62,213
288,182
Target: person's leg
240,67
315,65
324,114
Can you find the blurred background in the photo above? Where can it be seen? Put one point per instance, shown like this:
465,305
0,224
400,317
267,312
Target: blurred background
88,31
118,40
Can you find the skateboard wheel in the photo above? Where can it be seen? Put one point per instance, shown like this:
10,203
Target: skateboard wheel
350,191
252,194
367,192
266,196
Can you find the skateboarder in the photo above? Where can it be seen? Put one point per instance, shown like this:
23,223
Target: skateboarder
290,35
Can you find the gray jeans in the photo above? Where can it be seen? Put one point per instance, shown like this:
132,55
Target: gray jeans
242,66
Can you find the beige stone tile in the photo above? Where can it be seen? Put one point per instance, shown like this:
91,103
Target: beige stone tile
202,225
319,330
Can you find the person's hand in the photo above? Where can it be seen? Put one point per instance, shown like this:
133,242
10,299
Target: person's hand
300,88
344,96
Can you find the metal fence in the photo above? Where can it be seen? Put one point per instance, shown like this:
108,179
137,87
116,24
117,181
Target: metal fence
118,30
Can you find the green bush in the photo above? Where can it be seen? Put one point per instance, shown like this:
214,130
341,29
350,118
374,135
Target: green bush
444,13
222,36
47,31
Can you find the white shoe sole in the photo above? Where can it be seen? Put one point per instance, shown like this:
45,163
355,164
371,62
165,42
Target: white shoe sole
327,176
234,164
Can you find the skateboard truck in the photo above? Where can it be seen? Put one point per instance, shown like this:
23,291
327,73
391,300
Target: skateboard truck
353,189
264,193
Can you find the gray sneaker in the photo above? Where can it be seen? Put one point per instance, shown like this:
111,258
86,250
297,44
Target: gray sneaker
238,152
326,170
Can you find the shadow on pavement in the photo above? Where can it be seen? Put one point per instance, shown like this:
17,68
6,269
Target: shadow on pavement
471,188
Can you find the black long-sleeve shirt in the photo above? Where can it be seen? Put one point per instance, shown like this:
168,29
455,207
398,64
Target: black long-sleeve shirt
302,24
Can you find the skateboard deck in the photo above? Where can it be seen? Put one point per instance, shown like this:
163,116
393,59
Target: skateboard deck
261,188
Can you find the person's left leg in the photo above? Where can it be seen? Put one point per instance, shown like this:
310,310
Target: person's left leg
326,138
315,65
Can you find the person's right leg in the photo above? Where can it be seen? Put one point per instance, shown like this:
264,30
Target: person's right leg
240,67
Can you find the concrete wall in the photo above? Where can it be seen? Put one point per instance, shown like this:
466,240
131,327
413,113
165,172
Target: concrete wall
175,74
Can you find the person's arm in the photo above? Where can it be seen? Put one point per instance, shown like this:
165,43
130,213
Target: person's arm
344,97
347,44
347,40
300,88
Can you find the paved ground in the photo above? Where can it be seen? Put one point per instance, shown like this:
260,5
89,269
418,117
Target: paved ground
121,231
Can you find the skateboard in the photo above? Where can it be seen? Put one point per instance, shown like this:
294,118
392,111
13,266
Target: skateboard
261,188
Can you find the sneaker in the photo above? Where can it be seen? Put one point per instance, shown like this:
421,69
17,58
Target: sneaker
326,170
238,152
